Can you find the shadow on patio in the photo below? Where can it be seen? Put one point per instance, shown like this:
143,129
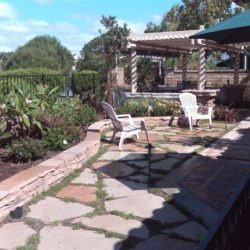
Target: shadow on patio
178,196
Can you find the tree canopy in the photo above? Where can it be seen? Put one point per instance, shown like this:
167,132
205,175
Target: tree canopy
99,53
193,13
42,51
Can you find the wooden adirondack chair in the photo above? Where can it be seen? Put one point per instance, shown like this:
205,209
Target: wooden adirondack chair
126,131
190,108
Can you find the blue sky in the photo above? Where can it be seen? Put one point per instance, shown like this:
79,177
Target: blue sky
73,22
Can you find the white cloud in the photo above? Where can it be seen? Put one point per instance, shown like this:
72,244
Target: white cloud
39,23
14,27
65,27
7,11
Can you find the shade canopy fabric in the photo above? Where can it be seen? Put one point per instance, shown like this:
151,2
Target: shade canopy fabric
233,30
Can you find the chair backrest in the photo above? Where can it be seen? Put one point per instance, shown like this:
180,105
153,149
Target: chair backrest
112,115
188,103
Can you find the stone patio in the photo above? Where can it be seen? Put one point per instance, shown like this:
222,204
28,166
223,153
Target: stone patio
129,200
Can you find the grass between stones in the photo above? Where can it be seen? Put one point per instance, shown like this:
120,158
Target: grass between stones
31,244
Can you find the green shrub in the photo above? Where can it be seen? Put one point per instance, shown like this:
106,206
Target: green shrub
246,94
30,79
74,112
134,108
162,107
25,149
55,139
84,82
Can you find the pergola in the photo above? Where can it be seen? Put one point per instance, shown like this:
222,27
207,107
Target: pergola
178,43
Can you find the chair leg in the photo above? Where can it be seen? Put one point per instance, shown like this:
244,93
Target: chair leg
190,121
137,135
123,136
210,123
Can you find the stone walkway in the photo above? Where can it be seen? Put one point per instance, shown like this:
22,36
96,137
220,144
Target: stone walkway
114,202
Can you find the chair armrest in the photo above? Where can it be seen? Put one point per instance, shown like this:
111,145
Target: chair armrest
126,116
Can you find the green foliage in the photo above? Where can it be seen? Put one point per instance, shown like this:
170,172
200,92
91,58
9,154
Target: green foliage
134,108
74,112
42,51
92,56
55,139
25,149
30,79
246,94
192,14
24,107
162,107
85,82
156,107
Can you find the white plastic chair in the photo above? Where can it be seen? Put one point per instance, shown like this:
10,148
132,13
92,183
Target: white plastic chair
127,131
190,108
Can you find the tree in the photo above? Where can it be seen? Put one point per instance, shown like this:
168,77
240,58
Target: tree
4,56
92,56
42,51
100,53
114,40
193,13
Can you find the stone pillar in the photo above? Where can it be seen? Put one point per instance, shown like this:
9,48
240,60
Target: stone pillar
133,71
201,70
236,68
184,67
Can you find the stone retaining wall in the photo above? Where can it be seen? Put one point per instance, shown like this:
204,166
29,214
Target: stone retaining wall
20,188
215,78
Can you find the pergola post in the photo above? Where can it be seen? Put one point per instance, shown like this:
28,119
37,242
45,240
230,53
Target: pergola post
133,71
184,63
236,68
201,70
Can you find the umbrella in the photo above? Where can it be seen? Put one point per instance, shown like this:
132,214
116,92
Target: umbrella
233,30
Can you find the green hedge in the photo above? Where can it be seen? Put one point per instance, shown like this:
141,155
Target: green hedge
152,107
30,79
85,82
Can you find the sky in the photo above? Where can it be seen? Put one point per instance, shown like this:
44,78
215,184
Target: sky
73,22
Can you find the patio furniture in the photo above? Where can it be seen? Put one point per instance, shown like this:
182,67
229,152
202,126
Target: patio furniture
190,108
127,131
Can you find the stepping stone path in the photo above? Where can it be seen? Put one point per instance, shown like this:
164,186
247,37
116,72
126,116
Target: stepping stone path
113,169
128,227
61,237
13,235
190,230
146,206
163,242
125,209
165,165
79,193
116,189
87,177
52,209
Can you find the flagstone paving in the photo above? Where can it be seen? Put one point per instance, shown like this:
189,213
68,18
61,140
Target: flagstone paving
79,193
61,237
146,206
131,200
52,209
13,235
190,230
87,177
128,227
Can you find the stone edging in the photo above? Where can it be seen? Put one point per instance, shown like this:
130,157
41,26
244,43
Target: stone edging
20,188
